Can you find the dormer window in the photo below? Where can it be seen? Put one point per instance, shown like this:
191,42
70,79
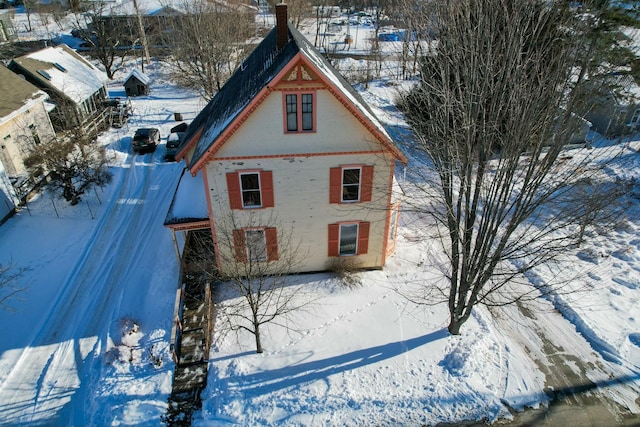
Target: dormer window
44,74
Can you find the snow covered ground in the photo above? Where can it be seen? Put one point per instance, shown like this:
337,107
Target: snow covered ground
88,341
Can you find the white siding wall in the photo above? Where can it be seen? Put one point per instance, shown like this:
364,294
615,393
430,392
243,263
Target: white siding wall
301,182
263,133
16,138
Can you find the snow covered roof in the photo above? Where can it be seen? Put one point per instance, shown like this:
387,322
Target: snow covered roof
17,94
142,78
63,70
162,7
188,204
255,73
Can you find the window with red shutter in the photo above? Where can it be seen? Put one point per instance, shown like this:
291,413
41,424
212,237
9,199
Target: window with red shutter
250,189
350,184
347,239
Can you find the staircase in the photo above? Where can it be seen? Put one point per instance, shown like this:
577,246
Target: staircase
193,328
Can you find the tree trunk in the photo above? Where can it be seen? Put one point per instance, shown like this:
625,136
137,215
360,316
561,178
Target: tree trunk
454,326
257,335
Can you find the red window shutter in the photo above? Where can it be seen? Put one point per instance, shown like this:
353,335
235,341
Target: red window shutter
239,245
367,183
233,187
271,235
335,185
266,183
334,239
363,238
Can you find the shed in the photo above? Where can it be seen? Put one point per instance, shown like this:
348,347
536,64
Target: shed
136,84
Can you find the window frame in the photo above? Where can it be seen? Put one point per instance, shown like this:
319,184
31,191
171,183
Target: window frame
357,185
262,254
253,190
341,228
301,116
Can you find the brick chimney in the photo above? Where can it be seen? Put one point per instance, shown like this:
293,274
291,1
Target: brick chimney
282,28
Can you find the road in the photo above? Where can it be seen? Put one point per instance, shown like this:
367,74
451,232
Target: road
56,378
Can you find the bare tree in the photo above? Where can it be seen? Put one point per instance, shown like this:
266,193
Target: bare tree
9,286
258,262
73,163
493,113
207,43
110,40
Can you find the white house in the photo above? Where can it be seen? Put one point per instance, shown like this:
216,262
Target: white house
288,138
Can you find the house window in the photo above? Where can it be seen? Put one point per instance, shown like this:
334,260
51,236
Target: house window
348,239
250,189
299,112
256,244
636,117
34,134
350,184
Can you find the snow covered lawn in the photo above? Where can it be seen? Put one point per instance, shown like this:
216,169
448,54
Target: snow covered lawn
88,341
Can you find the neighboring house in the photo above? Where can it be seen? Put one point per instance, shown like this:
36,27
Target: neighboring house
136,84
159,18
7,32
76,87
287,138
616,109
24,124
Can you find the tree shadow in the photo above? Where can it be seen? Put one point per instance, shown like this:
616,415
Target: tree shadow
261,383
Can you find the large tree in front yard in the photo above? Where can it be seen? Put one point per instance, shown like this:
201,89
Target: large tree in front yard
493,113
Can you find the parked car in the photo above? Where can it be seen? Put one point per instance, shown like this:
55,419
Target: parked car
146,140
174,140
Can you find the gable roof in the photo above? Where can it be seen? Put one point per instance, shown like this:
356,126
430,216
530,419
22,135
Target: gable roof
63,70
142,78
16,94
253,78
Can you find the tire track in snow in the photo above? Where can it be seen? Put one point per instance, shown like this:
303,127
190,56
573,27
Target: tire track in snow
54,366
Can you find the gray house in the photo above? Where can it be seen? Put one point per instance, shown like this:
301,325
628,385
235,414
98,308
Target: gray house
136,84
76,87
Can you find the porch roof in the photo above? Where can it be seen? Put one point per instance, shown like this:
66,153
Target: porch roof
189,205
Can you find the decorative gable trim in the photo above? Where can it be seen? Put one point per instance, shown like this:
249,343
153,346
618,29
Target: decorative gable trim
279,83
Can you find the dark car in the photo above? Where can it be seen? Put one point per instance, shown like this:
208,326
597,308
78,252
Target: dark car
174,140
173,143
145,140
